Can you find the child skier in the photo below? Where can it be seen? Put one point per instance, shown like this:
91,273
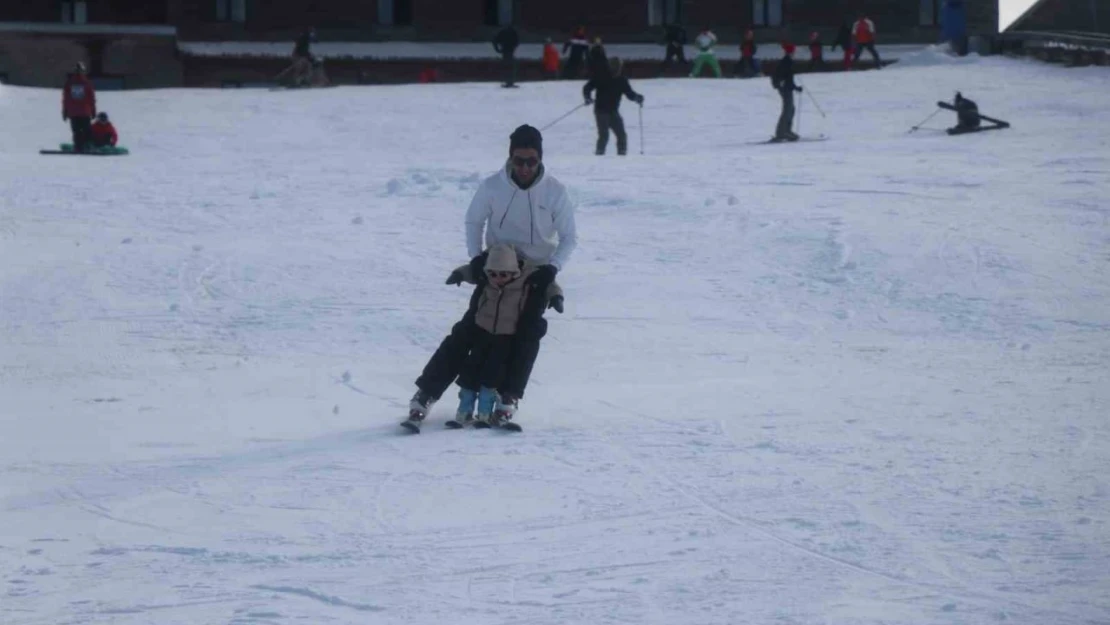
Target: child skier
816,56
103,132
610,88
783,82
494,310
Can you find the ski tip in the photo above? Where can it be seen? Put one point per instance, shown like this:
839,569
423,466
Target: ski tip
512,427
411,427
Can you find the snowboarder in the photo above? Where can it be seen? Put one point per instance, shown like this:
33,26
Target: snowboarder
610,88
844,40
816,56
597,61
550,59
748,66
506,43
674,37
783,82
864,32
79,106
492,318
524,206
102,131
706,41
578,46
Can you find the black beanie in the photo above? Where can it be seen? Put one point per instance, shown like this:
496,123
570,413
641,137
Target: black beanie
526,137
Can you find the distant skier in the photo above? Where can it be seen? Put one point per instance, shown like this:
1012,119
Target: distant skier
103,133
79,106
864,32
783,82
550,59
491,322
674,37
506,43
705,42
597,62
844,40
525,207
967,113
748,66
816,52
609,89
578,45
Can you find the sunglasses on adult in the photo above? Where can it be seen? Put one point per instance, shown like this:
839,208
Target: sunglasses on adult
520,161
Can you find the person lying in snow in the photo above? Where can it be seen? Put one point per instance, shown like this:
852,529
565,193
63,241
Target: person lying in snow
492,319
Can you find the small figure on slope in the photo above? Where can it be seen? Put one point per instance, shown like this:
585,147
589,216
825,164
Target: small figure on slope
783,82
79,107
706,41
103,132
506,43
578,45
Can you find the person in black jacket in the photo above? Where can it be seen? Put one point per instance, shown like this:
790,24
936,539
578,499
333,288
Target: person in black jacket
844,40
597,61
783,82
675,39
967,113
506,43
610,88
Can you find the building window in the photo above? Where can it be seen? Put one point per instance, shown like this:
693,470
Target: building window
395,12
75,12
767,12
499,12
929,12
661,12
231,11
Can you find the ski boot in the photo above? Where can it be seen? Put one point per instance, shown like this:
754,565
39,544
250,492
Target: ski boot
419,406
464,416
503,413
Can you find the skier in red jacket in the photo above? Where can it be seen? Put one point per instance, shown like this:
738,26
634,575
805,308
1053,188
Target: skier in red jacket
103,132
79,106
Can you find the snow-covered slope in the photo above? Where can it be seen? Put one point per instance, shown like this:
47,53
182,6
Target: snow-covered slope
859,381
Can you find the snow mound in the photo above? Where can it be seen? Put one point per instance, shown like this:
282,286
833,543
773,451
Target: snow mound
935,55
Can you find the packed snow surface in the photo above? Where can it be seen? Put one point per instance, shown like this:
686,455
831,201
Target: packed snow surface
861,381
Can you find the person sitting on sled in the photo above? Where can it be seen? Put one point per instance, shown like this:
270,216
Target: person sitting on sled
495,309
967,113
103,132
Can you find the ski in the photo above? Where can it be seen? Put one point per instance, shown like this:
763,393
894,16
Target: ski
411,426
773,141
964,131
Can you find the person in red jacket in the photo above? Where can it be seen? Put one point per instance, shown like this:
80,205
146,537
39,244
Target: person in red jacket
103,132
550,59
79,106
816,56
864,33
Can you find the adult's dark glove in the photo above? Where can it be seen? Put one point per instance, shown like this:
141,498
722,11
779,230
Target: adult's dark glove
556,303
478,265
640,100
798,89
589,101
456,278
542,276
65,118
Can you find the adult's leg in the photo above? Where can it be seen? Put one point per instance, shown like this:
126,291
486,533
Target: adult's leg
526,345
875,55
786,118
75,131
602,120
616,122
83,137
715,66
699,60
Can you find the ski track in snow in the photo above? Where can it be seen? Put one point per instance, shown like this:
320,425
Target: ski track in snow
859,381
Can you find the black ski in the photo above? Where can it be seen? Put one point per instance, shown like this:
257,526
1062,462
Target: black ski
774,141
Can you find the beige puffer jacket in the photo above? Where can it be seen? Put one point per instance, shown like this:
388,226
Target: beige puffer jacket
499,308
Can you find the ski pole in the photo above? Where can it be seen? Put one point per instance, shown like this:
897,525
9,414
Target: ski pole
810,94
641,130
800,103
568,114
922,122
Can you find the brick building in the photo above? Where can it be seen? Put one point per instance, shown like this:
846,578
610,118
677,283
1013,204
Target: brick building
137,39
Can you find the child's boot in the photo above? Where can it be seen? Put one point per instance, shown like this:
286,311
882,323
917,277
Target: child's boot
487,399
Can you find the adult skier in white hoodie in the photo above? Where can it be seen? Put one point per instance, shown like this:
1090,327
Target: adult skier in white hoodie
523,206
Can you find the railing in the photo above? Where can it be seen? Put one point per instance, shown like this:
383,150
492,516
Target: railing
1075,47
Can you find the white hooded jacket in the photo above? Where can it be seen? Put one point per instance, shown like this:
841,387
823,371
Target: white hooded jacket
537,221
